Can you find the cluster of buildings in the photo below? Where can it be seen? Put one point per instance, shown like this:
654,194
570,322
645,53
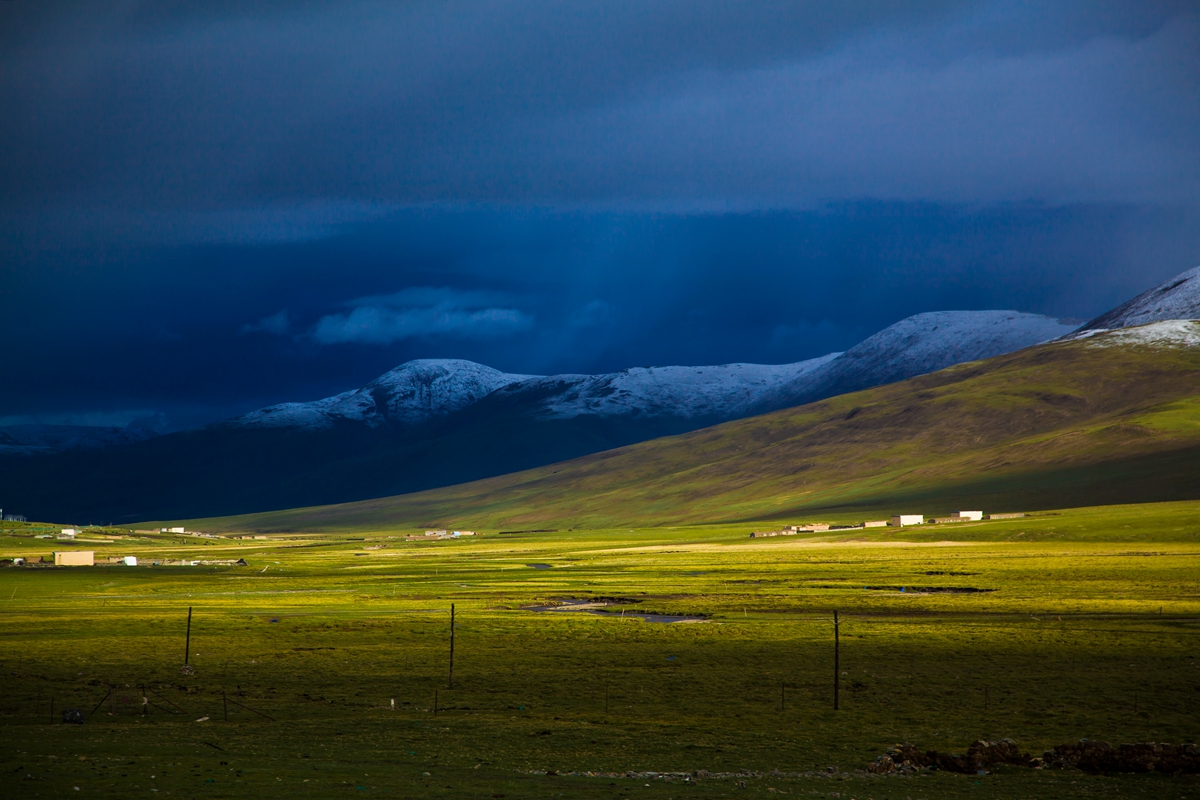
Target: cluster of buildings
440,534
897,521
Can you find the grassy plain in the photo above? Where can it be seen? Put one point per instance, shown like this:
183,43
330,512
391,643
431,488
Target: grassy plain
1091,629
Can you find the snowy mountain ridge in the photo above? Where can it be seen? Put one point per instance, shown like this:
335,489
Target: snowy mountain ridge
1177,298
722,391
918,345
413,392
419,391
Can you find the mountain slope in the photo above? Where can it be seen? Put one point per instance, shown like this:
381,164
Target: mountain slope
1178,298
1112,418
917,345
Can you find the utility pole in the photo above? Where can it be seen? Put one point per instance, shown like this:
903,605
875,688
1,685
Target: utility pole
452,645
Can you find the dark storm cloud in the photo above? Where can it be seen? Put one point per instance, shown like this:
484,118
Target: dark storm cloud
220,108
207,207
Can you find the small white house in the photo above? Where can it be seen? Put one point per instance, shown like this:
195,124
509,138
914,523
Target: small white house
69,532
900,520
130,561
974,516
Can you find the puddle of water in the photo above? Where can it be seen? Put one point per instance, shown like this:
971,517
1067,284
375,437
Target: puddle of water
928,589
539,566
598,609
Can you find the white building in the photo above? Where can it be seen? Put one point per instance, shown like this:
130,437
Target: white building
74,558
68,532
974,516
900,520
130,561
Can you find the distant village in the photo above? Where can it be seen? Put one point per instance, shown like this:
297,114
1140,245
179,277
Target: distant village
897,521
88,558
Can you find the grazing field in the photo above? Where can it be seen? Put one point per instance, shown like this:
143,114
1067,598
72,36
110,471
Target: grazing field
1089,627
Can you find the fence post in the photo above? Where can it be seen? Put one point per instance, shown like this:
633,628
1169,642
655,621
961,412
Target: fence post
452,645
187,643
836,659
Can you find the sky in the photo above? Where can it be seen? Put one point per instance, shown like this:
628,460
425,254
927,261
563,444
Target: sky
208,207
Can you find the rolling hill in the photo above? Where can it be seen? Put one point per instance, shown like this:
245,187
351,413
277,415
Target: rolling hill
432,423
1113,417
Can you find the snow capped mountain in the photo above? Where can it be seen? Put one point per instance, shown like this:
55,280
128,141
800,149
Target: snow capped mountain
917,345
414,392
722,392
420,391
42,439
1178,298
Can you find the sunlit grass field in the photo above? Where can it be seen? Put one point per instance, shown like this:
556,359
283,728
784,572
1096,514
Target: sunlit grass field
1090,628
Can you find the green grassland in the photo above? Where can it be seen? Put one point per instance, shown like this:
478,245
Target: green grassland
1061,424
1091,628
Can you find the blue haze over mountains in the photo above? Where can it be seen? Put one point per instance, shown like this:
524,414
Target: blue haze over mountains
433,423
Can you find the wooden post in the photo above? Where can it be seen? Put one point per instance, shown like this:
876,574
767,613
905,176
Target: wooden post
225,703
836,659
187,643
452,645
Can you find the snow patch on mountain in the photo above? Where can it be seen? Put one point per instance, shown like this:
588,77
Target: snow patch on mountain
918,345
1168,333
723,392
410,394
1178,298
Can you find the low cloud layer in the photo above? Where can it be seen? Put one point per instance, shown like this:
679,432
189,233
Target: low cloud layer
375,325
420,313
